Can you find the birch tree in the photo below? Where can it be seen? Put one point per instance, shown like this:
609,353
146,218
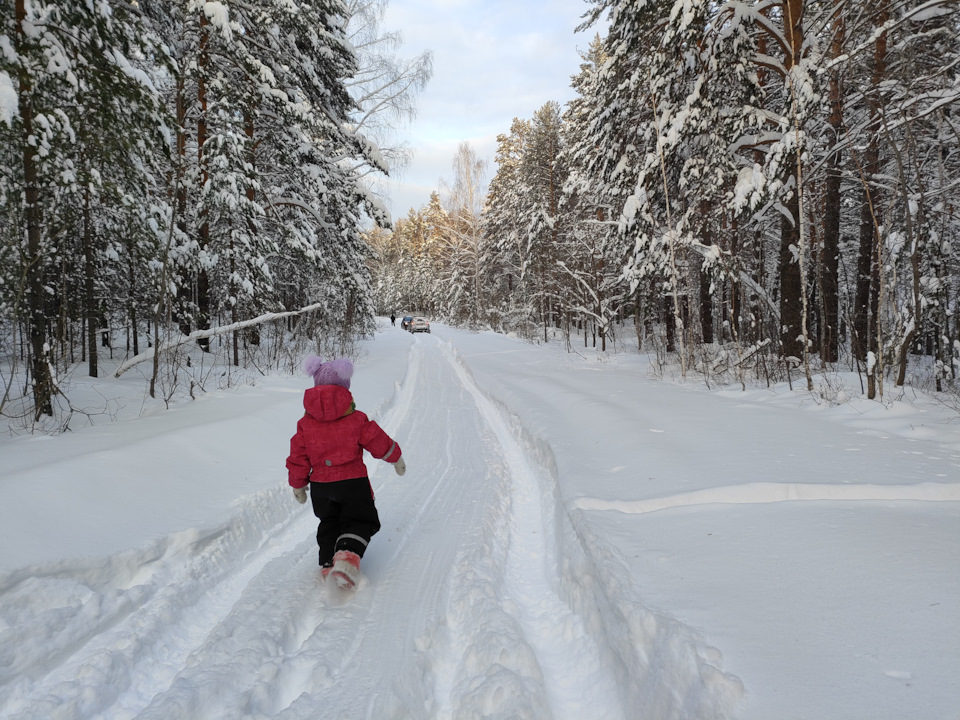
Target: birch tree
465,253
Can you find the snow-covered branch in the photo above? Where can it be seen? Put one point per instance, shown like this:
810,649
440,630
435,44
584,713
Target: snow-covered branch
209,333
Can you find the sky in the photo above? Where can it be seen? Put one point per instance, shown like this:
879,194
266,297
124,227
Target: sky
493,60
574,537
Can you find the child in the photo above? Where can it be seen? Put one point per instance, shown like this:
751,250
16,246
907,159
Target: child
327,454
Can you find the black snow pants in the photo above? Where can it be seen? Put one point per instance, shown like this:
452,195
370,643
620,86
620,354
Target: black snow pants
348,516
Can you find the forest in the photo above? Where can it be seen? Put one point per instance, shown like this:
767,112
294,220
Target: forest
183,173
751,190
754,189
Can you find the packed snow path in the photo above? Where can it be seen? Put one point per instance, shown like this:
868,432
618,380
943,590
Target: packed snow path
235,623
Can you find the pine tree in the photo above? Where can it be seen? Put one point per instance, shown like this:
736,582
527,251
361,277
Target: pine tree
504,230
268,190
82,108
591,255
542,176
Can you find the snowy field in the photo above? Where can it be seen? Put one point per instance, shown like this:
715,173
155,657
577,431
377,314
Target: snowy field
572,540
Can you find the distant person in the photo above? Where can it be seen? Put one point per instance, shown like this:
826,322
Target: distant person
393,319
326,454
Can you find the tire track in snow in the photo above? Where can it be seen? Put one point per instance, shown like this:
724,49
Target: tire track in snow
399,410
379,655
568,655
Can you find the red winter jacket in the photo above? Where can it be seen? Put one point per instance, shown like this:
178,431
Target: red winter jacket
331,438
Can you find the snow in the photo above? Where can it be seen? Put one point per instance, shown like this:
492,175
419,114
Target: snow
9,108
572,539
219,16
749,187
928,11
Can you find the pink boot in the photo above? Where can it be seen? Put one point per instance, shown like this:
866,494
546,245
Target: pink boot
346,569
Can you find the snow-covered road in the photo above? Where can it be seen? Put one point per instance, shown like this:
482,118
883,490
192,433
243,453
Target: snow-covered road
572,540
460,613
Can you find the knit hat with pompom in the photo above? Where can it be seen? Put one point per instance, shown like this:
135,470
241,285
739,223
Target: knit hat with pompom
335,372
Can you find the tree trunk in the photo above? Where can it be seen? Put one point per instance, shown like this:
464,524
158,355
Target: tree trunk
600,312
253,334
830,257
543,299
916,243
867,304
89,287
861,306
42,379
670,321
791,286
203,280
873,326
183,294
706,308
830,265
132,298
736,307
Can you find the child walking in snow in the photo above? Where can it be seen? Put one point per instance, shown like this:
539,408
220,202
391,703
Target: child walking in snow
326,454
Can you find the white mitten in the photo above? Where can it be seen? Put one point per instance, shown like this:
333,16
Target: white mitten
300,494
400,466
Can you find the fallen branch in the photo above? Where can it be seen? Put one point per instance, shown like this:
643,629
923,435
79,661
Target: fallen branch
212,332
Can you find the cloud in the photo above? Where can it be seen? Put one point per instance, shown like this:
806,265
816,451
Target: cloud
494,60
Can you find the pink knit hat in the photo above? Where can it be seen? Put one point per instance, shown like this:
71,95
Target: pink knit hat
335,372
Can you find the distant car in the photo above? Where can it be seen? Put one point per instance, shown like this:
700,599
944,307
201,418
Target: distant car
405,323
420,324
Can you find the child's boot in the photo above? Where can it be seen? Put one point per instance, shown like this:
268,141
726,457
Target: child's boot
346,569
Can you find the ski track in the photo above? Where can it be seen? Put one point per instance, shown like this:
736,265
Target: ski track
156,673
127,637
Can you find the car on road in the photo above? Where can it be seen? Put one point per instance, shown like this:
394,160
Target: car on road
405,323
420,324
